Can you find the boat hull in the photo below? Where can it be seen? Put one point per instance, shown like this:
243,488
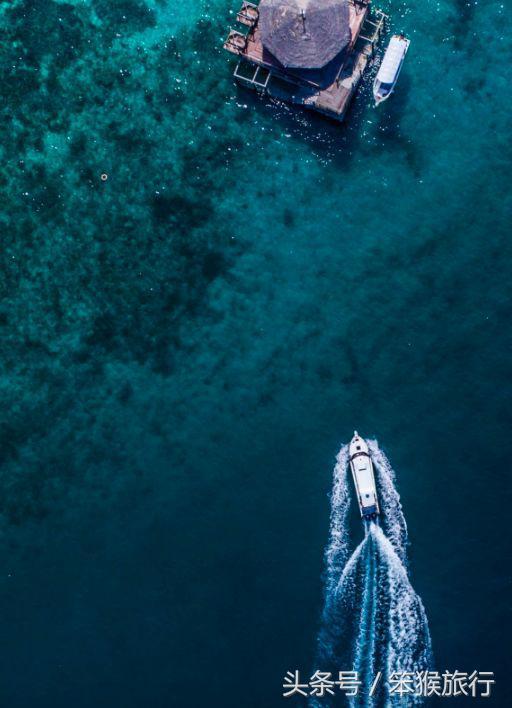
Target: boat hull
390,68
361,466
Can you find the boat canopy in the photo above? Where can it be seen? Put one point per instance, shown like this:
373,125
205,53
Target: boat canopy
305,34
392,59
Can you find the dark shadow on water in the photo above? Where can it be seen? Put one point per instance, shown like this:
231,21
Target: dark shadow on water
464,13
395,106
364,130
391,136
330,140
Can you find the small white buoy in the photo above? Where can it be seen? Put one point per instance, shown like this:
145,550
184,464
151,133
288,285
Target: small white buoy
104,177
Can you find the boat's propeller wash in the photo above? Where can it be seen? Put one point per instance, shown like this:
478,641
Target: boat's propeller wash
373,621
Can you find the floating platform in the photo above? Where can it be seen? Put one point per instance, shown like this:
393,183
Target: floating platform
329,92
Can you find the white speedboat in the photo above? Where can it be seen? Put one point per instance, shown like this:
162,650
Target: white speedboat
364,479
389,70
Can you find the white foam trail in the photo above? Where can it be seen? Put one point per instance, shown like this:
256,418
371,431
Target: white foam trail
392,633
336,552
409,646
338,600
392,517
372,629
365,644
347,578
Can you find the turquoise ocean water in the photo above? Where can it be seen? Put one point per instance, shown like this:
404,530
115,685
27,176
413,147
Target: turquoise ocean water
186,345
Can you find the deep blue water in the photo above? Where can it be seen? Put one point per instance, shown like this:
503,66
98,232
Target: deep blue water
186,346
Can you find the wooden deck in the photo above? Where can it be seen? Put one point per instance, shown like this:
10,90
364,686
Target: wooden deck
254,50
268,75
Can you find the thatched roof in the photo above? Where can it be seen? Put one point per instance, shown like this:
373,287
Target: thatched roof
304,34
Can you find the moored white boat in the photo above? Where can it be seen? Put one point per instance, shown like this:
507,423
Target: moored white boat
364,479
389,70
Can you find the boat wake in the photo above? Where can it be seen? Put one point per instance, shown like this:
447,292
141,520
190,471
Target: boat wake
372,621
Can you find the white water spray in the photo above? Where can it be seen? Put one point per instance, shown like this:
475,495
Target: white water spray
372,617
336,552
392,518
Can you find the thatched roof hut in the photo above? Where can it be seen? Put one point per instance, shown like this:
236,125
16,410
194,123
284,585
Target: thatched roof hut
304,34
